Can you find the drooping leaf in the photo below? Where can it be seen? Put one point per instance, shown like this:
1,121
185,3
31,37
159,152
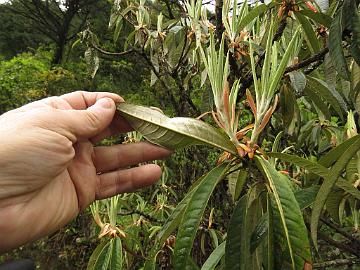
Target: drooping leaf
214,257
116,256
335,46
333,203
270,235
305,197
207,100
193,214
287,102
310,34
260,232
318,102
175,132
318,17
237,180
100,258
92,61
237,244
328,184
255,12
291,218
334,154
317,169
118,27
321,89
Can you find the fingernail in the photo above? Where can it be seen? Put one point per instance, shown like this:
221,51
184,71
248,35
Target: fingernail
106,103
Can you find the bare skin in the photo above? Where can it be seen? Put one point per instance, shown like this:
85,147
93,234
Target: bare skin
50,170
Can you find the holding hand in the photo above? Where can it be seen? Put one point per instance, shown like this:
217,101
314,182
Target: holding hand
50,170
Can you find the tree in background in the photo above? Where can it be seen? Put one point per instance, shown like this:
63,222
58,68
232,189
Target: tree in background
59,21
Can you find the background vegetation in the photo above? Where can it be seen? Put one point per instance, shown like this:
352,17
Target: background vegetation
291,70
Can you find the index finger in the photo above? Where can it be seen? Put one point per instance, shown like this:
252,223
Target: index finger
81,100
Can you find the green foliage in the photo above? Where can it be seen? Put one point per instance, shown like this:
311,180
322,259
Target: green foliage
289,166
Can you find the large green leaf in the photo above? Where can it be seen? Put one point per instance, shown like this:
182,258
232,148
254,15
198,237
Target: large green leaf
175,132
193,214
305,197
328,184
116,255
335,46
317,169
214,257
321,89
318,17
334,154
260,232
237,248
318,102
333,203
237,181
310,34
100,258
290,215
255,12
270,235
355,28
287,101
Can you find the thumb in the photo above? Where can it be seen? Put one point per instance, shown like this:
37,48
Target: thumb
90,122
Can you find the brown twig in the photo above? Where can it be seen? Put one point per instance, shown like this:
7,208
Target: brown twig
337,262
338,230
316,57
342,246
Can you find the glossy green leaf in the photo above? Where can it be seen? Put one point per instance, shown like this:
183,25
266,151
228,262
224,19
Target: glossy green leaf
193,214
318,102
287,101
318,17
175,132
214,257
334,154
333,203
310,34
321,89
116,255
100,258
290,215
255,12
317,169
237,181
306,197
328,184
118,27
237,245
260,232
302,162
270,235
335,46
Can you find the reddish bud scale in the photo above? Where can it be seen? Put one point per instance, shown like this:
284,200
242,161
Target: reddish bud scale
311,7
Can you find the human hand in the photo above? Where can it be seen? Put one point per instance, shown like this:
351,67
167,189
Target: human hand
50,170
